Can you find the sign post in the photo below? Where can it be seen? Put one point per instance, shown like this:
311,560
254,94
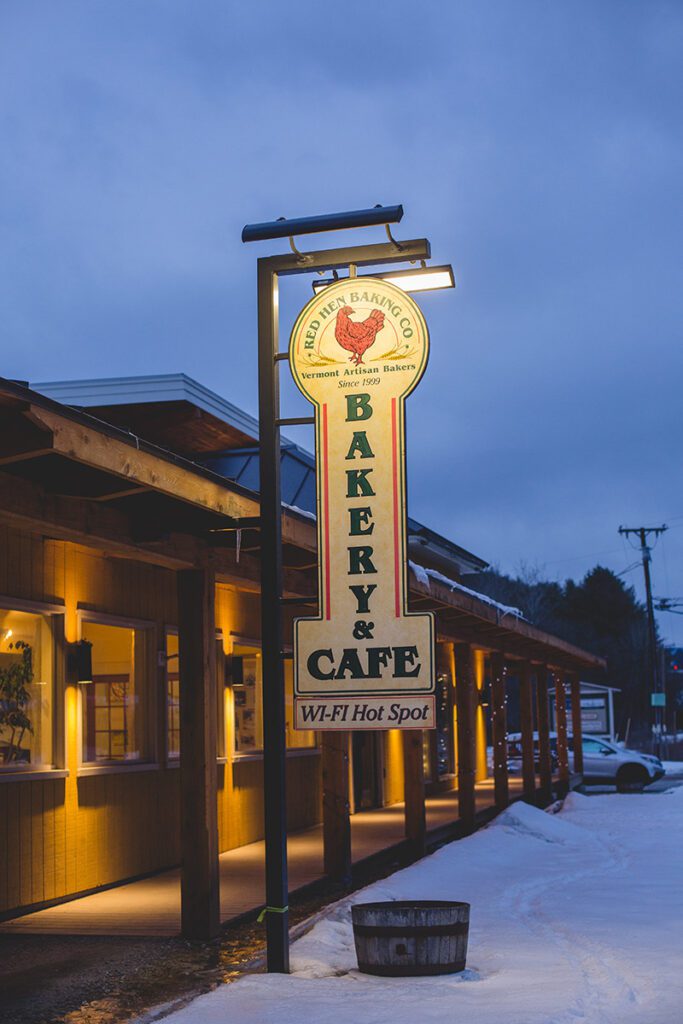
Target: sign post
270,268
364,662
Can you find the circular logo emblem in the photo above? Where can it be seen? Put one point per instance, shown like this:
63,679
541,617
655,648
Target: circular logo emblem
359,332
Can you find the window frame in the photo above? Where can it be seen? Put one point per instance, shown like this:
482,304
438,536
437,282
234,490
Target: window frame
148,698
237,756
239,640
55,611
171,760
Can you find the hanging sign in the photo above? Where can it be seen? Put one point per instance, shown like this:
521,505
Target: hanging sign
356,352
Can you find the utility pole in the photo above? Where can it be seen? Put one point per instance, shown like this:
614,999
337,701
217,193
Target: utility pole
643,532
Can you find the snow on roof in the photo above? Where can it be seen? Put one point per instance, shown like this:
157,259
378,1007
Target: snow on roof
300,511
423,576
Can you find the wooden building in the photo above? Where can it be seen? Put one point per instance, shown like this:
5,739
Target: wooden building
129,566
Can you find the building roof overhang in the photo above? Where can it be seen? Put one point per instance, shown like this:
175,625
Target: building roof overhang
68,475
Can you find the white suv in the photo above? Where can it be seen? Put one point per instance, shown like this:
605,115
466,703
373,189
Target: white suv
628,770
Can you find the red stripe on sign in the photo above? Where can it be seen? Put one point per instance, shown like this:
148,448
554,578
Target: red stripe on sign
394,458
326,515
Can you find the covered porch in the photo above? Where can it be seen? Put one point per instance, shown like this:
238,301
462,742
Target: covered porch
104,532
151,906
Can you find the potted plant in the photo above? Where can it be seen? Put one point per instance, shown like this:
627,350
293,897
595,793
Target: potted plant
15,678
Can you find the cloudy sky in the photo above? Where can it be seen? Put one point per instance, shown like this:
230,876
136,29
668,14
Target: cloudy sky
538,145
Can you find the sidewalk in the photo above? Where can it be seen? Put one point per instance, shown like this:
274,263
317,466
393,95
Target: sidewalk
151,906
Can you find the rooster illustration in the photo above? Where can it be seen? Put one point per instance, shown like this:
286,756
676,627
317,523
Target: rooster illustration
357,338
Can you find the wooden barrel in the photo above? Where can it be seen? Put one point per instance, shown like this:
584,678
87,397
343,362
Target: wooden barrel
411,937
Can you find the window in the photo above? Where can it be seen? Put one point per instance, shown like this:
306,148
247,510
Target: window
248,698
26,690
113,709
172,697
593,746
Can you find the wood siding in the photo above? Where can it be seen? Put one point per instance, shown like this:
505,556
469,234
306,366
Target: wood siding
61,836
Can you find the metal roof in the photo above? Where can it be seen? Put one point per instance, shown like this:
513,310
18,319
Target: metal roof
298,491
241,465
164,387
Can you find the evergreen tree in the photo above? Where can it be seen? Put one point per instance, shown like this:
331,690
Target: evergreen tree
601,614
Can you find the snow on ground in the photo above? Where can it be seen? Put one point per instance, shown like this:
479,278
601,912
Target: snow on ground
576,917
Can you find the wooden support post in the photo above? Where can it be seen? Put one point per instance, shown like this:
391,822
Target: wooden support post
526,707
499,730
414,788
542,717
577,729
561,718
466,701
199,879
336,806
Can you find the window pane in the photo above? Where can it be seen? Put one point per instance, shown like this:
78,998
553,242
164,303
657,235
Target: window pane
26,689
247,695
172,697
112,720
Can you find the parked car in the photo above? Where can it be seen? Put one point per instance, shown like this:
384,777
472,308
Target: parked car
629,770
515,752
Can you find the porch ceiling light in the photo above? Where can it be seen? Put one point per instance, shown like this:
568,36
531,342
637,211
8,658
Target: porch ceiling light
420,279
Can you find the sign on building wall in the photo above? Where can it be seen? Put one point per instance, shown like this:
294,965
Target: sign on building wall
356,352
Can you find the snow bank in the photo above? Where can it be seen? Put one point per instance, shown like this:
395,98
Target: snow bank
576,919
550,828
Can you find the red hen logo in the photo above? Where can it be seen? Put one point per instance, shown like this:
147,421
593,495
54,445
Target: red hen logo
357,338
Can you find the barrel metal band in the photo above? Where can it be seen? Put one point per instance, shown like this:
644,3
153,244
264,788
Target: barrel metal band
407,931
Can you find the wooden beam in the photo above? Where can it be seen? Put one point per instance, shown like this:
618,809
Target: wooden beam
499,730
577,725
466,702
99,450
336,806
414,792
199,879
93,524
542,717
526,707
28,506
561,719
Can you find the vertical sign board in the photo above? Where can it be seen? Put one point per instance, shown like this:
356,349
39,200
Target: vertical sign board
356,352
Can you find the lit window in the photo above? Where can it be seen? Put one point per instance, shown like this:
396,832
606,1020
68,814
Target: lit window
26,690
248,698
172,697
113,712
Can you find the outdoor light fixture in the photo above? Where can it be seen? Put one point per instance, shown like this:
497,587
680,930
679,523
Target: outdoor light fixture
420,279
79,661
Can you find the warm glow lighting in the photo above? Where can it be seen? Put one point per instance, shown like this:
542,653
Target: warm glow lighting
7,633
423,279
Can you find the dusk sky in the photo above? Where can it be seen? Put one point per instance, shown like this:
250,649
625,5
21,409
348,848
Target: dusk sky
538,145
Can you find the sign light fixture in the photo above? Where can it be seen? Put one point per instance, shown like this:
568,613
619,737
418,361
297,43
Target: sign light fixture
418,279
